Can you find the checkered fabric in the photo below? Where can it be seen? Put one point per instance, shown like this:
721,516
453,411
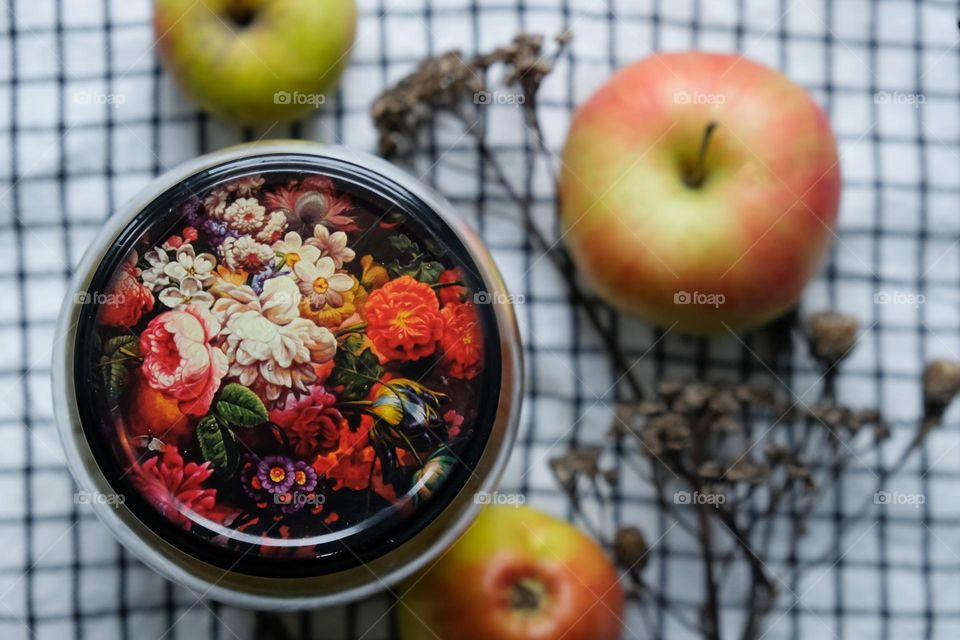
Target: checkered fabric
87,117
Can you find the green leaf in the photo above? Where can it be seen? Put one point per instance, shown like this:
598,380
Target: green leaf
396,270
356,368
415,264
218,446
120,346
430,272
115,376
401,242
118,352
239,406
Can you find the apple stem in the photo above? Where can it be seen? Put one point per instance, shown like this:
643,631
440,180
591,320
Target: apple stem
697,175
527,594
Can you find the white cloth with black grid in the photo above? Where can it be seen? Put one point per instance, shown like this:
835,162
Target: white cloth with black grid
68,157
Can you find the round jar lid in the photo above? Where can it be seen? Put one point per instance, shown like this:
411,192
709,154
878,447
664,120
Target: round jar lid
287,365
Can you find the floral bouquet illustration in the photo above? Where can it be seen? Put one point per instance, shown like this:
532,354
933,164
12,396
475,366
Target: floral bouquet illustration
285,361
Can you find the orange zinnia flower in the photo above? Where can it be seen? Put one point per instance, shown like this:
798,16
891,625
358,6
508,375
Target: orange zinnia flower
403,320
462,341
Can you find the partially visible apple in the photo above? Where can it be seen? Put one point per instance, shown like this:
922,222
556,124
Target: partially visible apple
516,574
256,61
700,189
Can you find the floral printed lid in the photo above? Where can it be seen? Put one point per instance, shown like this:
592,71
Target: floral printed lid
287,366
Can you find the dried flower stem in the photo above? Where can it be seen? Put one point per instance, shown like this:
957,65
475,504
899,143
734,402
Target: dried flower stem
561,260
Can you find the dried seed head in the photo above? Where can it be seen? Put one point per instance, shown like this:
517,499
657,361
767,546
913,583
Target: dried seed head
449,82
745,393
831,415
693,398
941,383
649,408
669,432
746,470
440,83
669,390
832,337
582,461
726,425
710,470
630,548
724,402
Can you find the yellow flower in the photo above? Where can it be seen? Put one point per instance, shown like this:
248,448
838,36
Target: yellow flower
374,275
330,316
233,277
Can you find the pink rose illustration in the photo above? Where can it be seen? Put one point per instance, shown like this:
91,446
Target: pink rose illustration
176,489
126,298
179,361
312,423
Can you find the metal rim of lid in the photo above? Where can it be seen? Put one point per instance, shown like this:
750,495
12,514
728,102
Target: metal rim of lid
288,593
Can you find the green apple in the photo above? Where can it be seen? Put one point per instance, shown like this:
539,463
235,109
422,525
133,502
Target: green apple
256,61
700,190
516,574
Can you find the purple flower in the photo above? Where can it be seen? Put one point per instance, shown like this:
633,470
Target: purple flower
193,212
258,280
301,494
279,483
304,477
215,231
276,474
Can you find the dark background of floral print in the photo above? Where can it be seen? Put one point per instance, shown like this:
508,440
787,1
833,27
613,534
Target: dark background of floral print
475,400
66,163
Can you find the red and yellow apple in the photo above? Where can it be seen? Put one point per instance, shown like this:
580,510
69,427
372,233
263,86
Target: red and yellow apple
256,61
516,574
700,190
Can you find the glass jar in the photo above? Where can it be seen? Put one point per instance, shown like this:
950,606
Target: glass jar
288,375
